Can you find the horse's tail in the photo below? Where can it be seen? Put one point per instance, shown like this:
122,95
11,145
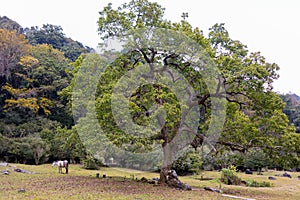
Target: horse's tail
67,166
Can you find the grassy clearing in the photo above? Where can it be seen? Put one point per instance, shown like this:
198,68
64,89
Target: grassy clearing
83,184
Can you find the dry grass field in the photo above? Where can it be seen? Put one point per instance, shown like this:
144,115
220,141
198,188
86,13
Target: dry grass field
47,183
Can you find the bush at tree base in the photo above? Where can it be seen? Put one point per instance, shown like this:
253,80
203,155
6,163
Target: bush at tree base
229,177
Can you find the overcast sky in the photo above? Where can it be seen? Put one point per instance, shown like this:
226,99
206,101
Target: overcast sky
271,27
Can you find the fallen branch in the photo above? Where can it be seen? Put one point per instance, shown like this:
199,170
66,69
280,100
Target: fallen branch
236,197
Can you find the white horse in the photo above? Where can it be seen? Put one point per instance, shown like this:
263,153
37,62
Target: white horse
60,165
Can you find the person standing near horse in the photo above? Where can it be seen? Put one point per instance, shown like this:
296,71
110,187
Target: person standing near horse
60,165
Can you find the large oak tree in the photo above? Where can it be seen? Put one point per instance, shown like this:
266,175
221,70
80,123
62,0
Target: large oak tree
217,69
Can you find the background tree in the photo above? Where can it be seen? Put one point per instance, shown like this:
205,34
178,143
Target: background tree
12,47
292,109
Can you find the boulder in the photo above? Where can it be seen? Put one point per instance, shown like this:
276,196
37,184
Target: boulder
287,175
152,182
3,164
22,171
6,172
212,189
248,171
172,174
173,181
186,187
229,181
143,179
21,190
18,170
272,178
240,168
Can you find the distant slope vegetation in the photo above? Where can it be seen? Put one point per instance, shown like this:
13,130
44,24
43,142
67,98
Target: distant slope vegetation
292,109
6,23
48,34
35,66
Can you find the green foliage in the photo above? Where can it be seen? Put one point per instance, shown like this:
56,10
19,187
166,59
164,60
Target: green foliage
5,145
27,150
30,104
189,163
53,35
91,163
254,112
256,159
229,158
135,14
6,23
47,34
29,142
292,109
287,156
67,144
253,183
12,47
34,85
230,177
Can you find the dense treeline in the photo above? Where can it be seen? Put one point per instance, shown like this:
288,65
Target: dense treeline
34,119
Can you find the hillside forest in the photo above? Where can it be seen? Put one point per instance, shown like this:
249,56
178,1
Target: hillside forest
39,67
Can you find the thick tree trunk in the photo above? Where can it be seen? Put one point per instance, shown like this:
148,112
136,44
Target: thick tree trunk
170,178
164,173
167,162
167,175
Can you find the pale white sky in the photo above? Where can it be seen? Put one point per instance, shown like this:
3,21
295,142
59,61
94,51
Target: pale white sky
271,27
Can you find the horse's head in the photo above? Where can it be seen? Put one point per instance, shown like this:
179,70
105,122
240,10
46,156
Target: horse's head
54,163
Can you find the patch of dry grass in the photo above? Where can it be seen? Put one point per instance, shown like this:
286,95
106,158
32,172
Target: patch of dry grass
46,183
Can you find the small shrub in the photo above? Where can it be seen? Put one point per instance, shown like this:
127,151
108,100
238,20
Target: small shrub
229,177
189,163
91,163
254,183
